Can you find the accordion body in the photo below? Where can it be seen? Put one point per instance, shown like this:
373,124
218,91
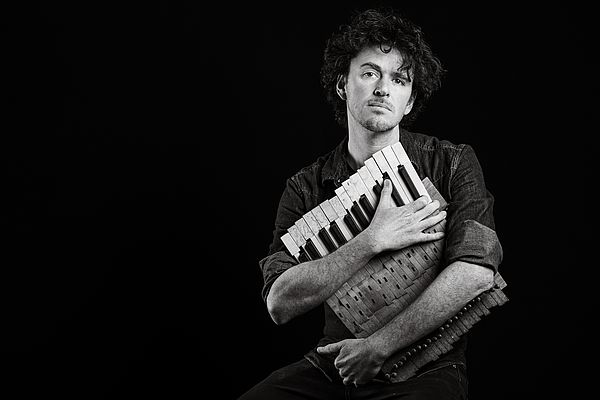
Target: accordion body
389,282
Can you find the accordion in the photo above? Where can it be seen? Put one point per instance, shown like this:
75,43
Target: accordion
389,282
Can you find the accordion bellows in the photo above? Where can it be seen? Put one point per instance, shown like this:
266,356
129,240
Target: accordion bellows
392,280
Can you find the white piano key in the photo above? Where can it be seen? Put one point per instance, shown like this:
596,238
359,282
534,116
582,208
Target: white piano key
362,188
410,168
307,232
369,183
392,160
296,235
320,216
339,209
290,245
374,170
385,167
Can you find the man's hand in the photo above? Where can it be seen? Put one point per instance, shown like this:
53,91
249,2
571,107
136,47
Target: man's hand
357,361
394,228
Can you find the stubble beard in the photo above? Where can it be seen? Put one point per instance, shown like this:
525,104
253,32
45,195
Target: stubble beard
378,125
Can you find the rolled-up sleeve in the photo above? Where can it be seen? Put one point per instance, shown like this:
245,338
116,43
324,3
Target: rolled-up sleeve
470,230
291,208
272,266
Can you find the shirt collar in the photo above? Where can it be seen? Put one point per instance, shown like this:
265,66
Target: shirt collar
336,168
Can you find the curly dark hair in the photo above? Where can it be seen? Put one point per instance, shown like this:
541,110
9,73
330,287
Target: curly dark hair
386,28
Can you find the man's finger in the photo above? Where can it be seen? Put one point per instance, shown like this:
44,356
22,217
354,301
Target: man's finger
385,197
426,211
421,203
332,348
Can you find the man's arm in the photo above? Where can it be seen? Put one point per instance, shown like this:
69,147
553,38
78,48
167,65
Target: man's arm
454,287
309,284
359,360
306,285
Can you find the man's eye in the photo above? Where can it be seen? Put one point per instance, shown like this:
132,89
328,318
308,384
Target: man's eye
369,74
400,81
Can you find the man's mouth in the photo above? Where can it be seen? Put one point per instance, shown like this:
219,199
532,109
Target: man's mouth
380,105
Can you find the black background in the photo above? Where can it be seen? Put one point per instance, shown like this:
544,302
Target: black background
144,149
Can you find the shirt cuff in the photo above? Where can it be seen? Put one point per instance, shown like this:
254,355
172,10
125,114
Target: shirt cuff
474,243
272,266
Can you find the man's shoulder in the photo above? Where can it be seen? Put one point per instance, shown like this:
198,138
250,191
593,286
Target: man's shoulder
323,167
425,142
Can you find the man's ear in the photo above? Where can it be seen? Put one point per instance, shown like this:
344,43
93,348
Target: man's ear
410,104
340,87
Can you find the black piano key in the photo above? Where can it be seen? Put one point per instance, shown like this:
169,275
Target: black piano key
409,183
337,233
377,189
303,257
329,244
366,205
395,195
359,215
312,250
352,225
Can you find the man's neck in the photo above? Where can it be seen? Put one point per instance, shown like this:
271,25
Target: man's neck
362,143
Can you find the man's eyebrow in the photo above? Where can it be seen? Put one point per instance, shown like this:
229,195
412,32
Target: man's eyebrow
402,73
370,64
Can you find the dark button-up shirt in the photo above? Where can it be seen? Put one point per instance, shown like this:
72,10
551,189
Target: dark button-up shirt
457,175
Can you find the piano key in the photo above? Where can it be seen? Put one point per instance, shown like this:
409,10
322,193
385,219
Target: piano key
352,224
340,211
384,166
350,220
359,216
289,243
395,194
321,218
328,210
307,233
337,234
315,228
410,169
366,205
369,182
312,250
303,257
363,190
378,176
296,235
327,240
414,193
357,211
393,162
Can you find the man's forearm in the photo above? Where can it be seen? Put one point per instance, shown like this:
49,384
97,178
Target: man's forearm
306,285
455,286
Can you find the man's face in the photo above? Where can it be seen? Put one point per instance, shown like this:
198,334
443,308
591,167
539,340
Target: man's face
378,92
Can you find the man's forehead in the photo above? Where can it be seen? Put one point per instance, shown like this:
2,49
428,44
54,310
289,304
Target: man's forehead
379,56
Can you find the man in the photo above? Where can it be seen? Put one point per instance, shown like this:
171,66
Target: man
378,73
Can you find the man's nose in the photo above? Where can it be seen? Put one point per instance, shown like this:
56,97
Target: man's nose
381,89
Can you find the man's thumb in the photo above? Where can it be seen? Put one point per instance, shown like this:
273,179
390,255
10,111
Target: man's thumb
332,348
385,198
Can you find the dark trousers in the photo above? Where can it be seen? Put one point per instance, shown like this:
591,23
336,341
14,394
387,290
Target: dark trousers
301,380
